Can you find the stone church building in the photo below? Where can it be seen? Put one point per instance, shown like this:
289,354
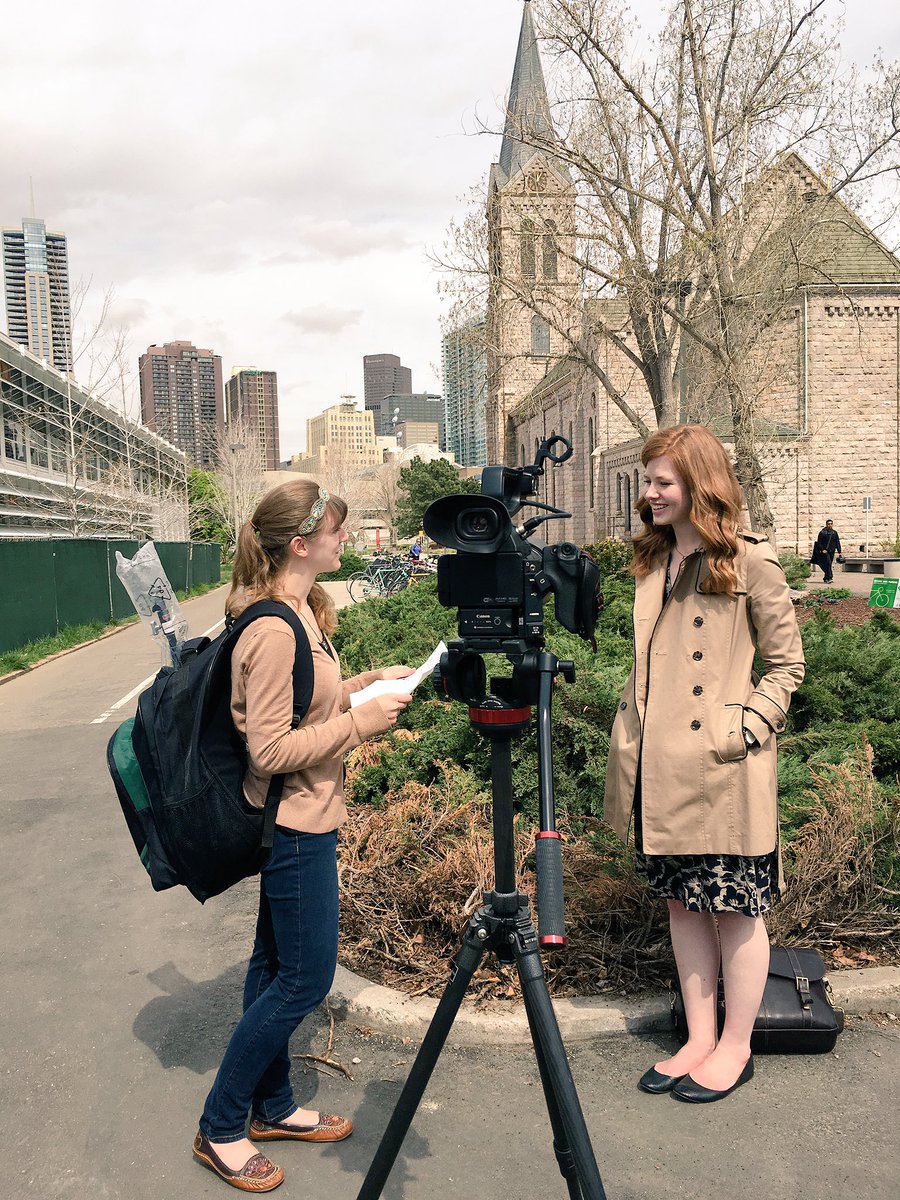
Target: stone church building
829,401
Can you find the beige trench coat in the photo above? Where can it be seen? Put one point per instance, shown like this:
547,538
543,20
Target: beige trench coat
689,697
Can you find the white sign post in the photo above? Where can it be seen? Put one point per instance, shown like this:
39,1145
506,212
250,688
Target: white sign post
867,508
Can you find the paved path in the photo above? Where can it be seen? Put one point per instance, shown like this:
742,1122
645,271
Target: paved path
117,1004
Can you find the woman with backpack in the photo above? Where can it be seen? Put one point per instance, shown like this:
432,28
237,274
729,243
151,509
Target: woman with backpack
295,534
692,757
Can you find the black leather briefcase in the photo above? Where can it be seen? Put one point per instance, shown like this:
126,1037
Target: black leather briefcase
796,1015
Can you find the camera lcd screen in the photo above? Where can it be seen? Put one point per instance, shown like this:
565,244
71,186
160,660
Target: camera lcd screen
479,580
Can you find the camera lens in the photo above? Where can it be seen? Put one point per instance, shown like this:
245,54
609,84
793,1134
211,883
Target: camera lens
477,525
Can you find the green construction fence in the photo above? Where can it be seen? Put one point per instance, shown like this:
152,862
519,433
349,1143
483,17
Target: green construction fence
47,585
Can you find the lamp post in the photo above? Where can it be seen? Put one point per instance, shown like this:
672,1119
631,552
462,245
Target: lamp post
234,447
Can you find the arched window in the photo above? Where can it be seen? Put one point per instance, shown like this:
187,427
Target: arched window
550,255
590,452
627,503
637,485
618,491
528,249
522,455
540,335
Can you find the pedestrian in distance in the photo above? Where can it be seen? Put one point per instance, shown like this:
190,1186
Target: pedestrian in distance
692,758
295,534
827,545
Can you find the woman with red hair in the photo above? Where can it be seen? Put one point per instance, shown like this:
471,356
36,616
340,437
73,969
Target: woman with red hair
692,757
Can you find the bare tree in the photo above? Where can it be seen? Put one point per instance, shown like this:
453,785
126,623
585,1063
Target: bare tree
239,457
684,207
341,472
385,496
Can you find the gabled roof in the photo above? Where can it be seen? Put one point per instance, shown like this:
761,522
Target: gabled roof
847,250
528,128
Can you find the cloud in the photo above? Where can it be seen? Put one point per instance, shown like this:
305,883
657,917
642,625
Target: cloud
323,319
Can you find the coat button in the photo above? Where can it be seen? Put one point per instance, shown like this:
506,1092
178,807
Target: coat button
779,725
623,706
695,724
698,654
698,621
698,690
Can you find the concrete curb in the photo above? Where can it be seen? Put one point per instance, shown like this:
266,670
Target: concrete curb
872,989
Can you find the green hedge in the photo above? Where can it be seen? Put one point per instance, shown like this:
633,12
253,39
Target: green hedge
851,692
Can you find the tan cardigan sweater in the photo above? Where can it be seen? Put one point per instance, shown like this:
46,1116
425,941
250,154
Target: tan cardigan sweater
311,757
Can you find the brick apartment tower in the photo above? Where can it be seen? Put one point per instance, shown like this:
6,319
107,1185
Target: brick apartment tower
36,279
182,398
383,375
251,395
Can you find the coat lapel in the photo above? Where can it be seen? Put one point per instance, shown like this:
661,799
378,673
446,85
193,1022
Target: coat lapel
648,602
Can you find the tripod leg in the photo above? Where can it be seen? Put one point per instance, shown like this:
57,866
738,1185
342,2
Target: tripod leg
464,966
561,1148
555,1073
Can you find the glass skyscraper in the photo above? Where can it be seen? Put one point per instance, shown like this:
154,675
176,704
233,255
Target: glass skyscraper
36,279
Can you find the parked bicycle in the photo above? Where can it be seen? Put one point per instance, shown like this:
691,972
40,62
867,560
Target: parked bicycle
382,577
385,576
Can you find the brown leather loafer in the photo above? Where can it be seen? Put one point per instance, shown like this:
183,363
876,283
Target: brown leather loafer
329,1128
258,1174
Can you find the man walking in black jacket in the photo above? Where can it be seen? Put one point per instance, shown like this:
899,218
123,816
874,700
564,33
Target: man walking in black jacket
828,544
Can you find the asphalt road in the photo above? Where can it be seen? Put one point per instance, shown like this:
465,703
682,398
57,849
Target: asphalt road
117,1003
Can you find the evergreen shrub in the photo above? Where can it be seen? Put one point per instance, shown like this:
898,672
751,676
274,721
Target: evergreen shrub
796,569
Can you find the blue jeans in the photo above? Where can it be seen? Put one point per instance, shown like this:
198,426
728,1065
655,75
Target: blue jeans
290,974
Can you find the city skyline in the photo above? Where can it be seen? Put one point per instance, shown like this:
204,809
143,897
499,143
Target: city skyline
315,253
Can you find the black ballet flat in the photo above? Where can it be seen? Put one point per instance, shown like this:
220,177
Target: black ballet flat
695,1094
656,1083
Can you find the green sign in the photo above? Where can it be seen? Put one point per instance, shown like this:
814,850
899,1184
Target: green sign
885,593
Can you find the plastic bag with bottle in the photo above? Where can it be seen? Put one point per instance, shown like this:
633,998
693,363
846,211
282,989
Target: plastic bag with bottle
154,599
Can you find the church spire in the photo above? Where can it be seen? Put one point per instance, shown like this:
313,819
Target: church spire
528,110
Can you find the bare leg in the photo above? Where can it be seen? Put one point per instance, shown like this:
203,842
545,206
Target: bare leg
745,966
235,1154
696,945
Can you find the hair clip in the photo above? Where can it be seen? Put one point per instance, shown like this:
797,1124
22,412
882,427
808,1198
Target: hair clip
315,514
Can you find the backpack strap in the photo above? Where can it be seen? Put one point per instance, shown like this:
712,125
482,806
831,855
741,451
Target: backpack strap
303,677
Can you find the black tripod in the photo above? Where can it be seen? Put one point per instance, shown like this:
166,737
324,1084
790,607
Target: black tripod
504,926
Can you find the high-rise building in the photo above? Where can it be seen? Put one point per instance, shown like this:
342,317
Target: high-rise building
36,277
251,396
344,426
182,398
418,408
465,393
383,375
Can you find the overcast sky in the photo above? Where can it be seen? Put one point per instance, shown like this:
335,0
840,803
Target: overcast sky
265,179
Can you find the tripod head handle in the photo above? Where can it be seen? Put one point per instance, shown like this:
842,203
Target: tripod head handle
551,909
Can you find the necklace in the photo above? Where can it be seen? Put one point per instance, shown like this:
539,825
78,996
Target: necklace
321,637
682,555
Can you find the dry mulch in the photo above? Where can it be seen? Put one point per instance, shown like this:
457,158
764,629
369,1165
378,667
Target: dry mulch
854,611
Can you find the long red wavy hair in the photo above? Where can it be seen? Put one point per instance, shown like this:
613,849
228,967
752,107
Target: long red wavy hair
717,501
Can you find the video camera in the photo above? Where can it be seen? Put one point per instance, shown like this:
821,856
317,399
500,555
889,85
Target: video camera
499,578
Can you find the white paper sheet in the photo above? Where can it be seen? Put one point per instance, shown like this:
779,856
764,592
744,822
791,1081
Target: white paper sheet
382,687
